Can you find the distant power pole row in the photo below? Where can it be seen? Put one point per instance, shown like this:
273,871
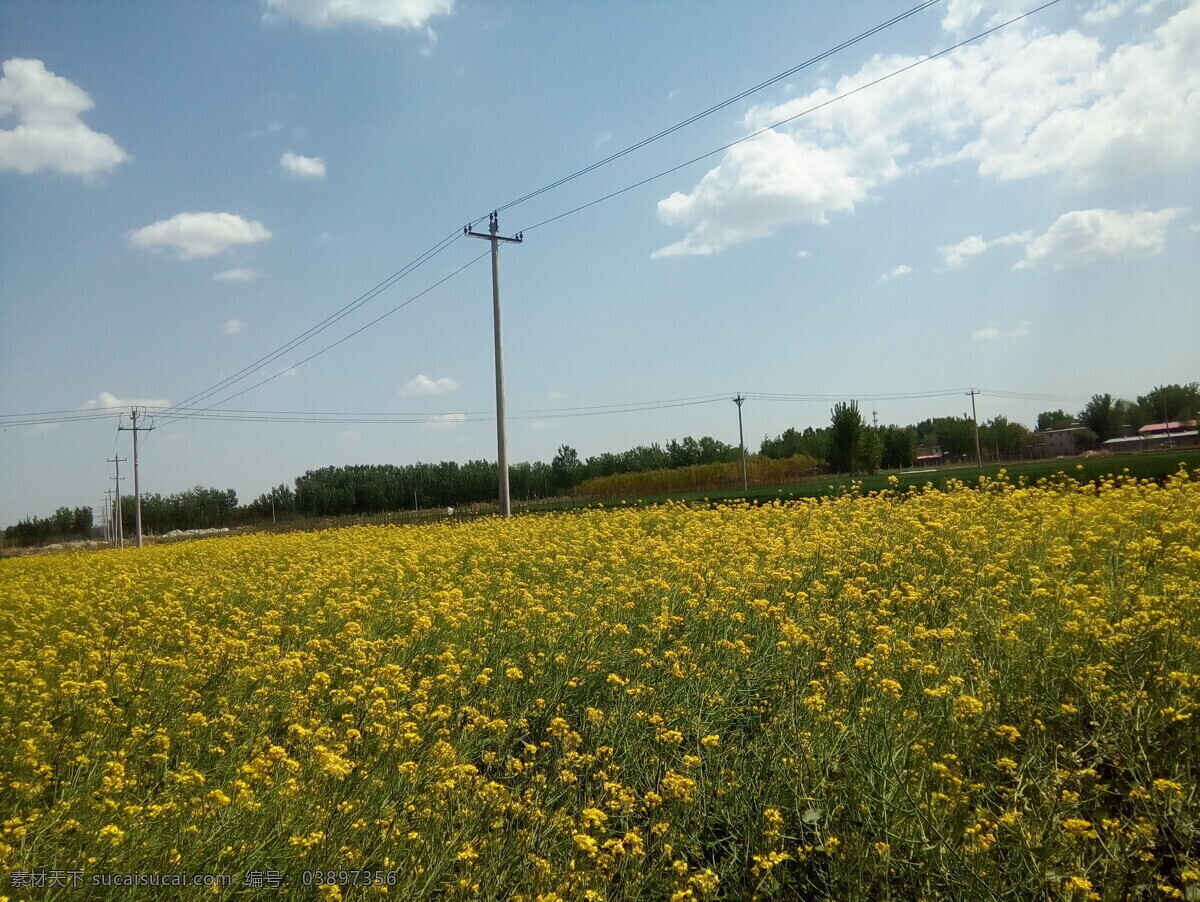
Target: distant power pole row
118,529
137,494
114,526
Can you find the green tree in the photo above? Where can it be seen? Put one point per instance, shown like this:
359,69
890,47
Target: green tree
953,435
846,429
1098,415
1054,419
868,451
1128,417
566,468
1172,402
813,442
1002,437
899,446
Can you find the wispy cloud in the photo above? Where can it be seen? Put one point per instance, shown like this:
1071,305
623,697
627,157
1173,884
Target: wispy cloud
233,327
991,333
302,167
445,421
894,273
955,255
105,399
406,14
423,385
237,274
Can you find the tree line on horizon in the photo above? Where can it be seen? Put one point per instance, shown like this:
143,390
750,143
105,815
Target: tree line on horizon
847,445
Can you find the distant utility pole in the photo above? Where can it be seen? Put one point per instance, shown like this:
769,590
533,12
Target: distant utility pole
109,533
978,454
117,524
742,442
137,494
874,419
501,440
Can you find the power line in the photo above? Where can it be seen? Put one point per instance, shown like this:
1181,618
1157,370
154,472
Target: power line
720,106
812,109
171,418
340,417
445,242
895,396
334,317
449,239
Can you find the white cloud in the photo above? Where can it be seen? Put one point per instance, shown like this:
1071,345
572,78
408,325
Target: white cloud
42,429
302,167
288,372
238,274
955,255
49,133
1086,235
176,436
991,333
556,395
445,421
349,436
541,425
199,234
902,270
233,327
423,385
1103,12
768,182
407,14
1019,104
104,399
801,254
961,15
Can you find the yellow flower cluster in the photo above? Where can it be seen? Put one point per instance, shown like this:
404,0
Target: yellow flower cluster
912,695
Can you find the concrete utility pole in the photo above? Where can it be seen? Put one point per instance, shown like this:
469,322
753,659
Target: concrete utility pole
501,439
117,524
978,453
110,534
874,419
742,442
137,493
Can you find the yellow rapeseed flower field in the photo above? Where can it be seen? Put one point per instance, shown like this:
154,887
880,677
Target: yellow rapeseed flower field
984,693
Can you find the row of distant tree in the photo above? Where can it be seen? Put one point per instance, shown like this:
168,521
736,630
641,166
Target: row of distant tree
63,524
847,445
1108,417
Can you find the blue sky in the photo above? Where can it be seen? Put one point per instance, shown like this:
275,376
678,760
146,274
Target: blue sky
185,188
